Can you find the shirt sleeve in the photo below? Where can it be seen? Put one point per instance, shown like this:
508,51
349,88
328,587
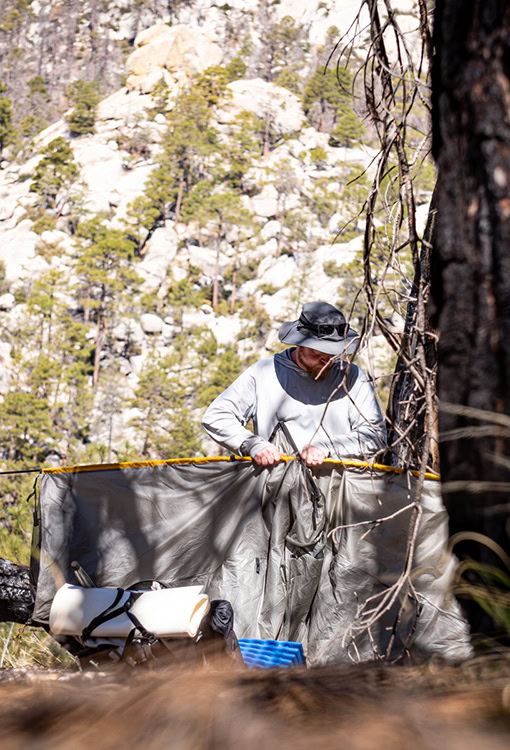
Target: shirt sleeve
367,434
225,419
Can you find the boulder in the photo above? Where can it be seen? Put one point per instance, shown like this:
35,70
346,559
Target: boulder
7,207
57,129
120,332
101,169
160,253
151,323
335,222
19,212
268,248
205,259
317,16
149,82
422,215
150,56
7,301
277,272
55,237
277,306
17,250
125,367
191,51
246,348
6,364
264,99
123,105
265,204
169,331
271,229
129,330
135,332
225,328
126,190
147,36
178,49
137,362
310,138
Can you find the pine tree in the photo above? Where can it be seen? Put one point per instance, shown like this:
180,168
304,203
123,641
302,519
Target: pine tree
326,97
57,374
166,397
24,425
40,108
211,85
245,144
154,395
188,144
348,128
85,97
283,44
217,211
105,272
7,129
182,294
43,305
228,366
289,78
236,68
55,174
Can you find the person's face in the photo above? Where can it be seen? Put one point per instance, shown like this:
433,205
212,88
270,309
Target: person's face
315,363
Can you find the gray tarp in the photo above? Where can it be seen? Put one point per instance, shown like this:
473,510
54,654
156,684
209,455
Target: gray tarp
253,536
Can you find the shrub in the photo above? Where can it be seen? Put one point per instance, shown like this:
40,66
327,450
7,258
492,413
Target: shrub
268,289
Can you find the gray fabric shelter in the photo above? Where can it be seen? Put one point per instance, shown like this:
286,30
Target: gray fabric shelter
255,537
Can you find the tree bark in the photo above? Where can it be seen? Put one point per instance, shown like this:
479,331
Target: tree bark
214,301
471,264
98,349
179,200
234,289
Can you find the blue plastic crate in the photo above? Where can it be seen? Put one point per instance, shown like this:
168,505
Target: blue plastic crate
264,654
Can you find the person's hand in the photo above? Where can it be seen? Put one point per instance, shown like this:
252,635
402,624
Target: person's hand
312,456
267,456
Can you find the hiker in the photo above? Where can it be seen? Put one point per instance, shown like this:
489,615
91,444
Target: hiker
324,403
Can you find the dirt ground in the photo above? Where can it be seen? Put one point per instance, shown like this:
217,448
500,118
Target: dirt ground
223,707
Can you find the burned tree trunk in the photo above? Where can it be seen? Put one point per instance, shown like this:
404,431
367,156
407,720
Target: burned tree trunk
471,268
16,593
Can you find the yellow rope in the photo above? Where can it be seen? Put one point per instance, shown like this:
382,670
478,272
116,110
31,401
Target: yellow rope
216,459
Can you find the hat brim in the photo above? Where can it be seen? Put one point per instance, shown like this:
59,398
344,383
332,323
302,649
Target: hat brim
290,334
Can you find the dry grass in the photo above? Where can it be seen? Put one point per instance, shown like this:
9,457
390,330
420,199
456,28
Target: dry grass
24,647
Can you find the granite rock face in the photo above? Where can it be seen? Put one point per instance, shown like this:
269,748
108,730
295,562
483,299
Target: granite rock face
179,49
278,258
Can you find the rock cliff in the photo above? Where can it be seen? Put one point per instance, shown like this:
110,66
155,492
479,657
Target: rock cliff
287,192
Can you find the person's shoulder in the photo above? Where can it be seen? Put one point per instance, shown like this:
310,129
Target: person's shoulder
261,366
267,363
353,373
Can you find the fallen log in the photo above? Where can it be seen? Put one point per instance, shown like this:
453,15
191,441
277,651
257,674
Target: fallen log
17,594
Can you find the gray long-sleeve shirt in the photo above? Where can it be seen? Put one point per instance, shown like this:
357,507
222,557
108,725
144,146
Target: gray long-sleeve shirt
277,390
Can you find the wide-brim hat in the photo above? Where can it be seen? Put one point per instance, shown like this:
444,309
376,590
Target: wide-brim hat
320,326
